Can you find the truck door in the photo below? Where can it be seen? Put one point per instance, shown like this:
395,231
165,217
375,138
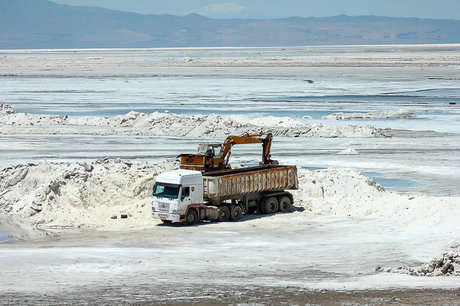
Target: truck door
185,196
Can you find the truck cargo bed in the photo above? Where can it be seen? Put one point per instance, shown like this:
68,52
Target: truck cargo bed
227,184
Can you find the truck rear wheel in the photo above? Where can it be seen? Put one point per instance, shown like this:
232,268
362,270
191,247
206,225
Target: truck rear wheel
284,204
192,217
270,205
224,213
236,212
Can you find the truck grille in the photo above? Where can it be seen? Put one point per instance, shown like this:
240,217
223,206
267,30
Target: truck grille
163,206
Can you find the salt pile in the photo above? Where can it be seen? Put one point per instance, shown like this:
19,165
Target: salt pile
381,114
74,195
6,109
348,151
169,124
332,182
349,194
89,195
447,264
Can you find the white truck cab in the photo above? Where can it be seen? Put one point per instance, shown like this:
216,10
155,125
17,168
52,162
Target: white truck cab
175,192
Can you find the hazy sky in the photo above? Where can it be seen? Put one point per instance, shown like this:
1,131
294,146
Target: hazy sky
449,9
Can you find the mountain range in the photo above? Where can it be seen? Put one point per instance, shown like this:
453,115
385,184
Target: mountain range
31,24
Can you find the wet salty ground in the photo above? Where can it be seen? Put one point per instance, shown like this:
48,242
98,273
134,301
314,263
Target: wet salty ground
198,295
282,258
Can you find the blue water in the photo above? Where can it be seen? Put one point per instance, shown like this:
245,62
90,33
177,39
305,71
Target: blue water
410,97
4,236
454,92
193,94
396,184
112,103
314,168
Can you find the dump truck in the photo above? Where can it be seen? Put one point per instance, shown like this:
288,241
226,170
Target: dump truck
189,196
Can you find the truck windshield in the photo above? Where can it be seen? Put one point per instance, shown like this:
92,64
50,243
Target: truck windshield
166,190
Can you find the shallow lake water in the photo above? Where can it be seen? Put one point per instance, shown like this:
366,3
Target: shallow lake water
5,235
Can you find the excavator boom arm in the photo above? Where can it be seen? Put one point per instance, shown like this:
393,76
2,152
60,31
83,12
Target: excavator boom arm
246,139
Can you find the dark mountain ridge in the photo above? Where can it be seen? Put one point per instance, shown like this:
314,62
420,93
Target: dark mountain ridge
44,24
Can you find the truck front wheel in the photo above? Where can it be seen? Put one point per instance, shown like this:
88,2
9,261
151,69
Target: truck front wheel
224,213
270,205
285,204
192,217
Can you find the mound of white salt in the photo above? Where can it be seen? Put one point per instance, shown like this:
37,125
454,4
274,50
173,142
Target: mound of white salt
333,182
448,264
381,114
69,195
66,195
6,109
349,194
178,125
348,151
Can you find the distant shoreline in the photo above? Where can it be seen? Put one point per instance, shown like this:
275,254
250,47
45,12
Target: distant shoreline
408,46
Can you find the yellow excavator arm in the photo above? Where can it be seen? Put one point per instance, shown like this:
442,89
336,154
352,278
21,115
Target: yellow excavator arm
208,160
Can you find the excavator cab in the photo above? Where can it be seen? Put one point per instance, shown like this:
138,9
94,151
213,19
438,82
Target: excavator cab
212,157
209,149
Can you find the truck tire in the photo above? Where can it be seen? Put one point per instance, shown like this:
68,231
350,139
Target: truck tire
270,205
236,212
192,217
224,213
285,204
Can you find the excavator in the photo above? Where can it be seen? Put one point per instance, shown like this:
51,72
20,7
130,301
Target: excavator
214,157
